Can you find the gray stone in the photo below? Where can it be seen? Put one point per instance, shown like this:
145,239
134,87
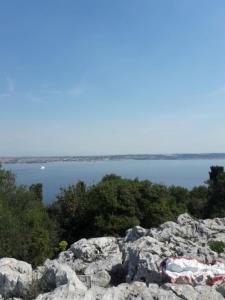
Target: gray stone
135,233
15,278
136,290
184,291
143,259
109,268
221,289
208,292
98,258
56,275
67,292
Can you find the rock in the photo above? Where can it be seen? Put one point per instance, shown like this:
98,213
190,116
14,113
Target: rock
56,275
184,291
143,259
95,248
85,279
221,289
208,293
67,291
15,278
184,219
136,290
98,258
98,274
135,233
62,280
94,293
109,268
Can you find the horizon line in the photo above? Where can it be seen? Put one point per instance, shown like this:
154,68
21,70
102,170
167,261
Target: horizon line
127,154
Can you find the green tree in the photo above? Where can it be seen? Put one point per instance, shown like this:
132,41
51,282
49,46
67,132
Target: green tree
198,202
181,194
37,189
7,181
69,212
113,206
25,228
158,204
216,192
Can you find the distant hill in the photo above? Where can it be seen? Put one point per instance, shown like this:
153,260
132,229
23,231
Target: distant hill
45,159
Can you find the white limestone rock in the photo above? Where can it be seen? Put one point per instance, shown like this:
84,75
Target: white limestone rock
15,278
208,292
136,290
56,275
98,258
143,259
129,268
135,233
184,291
65,292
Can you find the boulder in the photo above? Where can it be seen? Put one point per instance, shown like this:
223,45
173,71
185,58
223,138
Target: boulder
55,275
98,258
143,260
135,233
15,278
60,281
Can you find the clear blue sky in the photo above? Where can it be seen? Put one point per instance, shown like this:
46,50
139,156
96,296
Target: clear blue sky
112,76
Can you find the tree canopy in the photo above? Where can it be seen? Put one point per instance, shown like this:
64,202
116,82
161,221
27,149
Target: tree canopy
33,231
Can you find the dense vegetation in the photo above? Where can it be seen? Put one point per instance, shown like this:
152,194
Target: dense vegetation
217,246
26,231
31,231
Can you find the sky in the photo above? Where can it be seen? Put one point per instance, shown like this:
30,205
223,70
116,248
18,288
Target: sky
92,77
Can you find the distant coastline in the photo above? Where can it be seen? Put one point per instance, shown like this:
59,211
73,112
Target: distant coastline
47,159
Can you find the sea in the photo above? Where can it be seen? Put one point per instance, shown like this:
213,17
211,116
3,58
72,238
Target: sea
186,173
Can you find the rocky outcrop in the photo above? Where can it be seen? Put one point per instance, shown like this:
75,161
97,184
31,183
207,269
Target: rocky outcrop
109,268
100,259
15,278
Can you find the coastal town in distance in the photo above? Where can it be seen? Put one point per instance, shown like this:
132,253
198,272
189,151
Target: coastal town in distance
47,159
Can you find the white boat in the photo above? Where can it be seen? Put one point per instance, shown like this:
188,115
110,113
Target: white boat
42,167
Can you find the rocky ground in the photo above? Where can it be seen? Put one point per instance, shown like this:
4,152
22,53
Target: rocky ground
109,268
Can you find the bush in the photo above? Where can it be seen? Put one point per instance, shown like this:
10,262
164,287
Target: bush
217,246
63,246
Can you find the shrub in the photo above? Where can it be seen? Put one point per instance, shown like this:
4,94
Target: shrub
217,246
63,246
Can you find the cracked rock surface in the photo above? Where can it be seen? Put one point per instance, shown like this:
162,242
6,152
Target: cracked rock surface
109,268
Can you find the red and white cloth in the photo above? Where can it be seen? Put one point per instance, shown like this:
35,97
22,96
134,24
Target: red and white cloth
192,271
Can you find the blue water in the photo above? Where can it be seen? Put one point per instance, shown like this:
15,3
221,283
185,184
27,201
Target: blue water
187,173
